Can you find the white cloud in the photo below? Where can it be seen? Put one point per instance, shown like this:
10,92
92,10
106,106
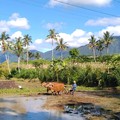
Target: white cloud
37,44
15,21
78,33
16,35
104,22
32,47
14,16
57,25
78,38
66,37
115,30
83,40
38,41
53,3
3,26
48,41
18,22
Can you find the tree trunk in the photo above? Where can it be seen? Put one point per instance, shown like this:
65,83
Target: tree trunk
27,56
19,64
7,60
94,55
52,50
107,50
68,80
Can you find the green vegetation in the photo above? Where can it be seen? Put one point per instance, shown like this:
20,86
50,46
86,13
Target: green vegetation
89,74
88,71
28,88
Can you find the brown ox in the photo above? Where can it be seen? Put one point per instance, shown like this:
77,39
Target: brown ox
57,88
54,87
46,85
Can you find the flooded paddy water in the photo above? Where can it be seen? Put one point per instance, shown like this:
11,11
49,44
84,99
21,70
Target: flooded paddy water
30,108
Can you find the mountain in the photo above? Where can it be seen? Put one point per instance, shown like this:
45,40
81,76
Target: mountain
114,48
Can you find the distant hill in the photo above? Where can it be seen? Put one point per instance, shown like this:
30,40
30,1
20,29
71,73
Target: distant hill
114,48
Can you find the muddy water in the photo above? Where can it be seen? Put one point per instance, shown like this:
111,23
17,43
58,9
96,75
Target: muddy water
30,108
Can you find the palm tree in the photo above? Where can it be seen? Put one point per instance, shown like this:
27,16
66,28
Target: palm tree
37,55
30,54
99,46
92,45
18,49
61,46
108,38
53,36
27,39
5,47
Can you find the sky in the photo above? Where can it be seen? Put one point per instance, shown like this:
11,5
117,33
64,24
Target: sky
74,20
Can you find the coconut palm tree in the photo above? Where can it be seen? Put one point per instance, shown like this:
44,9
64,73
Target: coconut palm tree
18,49
99,46
61,46
30,54
5,47
53,36
37,55
108,38
92,45
27,39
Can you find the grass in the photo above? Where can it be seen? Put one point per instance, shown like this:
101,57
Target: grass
28,88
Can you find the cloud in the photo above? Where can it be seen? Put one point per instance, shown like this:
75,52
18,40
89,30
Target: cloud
32,47
77,38
53,3
115,30
15,21
38,41
77,33
18,22
80,37
66,37
40,45
4,26
16,35
104,22
56,26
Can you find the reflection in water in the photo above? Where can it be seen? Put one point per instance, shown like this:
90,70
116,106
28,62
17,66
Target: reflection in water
30,108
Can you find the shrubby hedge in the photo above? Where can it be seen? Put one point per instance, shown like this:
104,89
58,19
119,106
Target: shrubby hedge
84,76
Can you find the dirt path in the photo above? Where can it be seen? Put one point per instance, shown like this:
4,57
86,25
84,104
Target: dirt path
106,100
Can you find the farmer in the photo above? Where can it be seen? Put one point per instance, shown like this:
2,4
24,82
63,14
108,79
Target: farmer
73,89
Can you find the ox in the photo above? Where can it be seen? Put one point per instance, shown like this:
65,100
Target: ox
54,87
